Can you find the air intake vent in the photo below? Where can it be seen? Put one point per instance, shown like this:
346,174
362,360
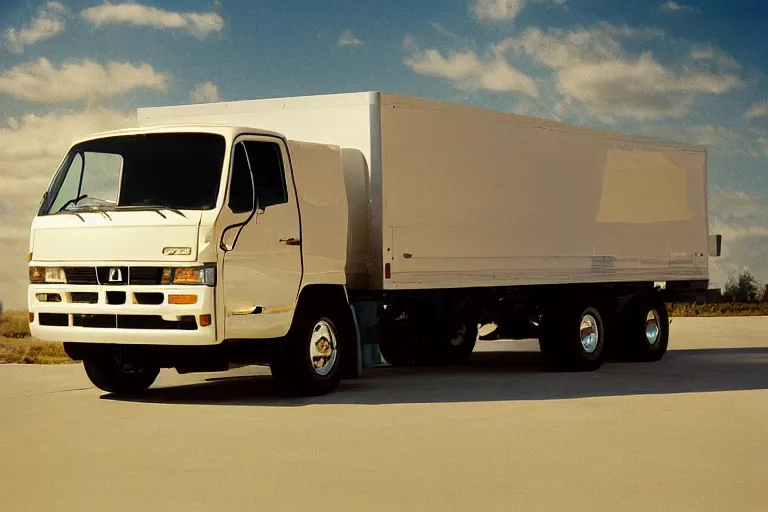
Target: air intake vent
81,275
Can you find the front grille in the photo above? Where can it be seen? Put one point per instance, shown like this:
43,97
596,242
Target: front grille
142,276
146,275
81,275
85,297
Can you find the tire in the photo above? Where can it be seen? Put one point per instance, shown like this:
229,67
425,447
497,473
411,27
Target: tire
309,360
561,339
107,374
644,330
458,348
393,348
422,346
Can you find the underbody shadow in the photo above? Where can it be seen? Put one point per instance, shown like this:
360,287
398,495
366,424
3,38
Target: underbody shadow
489,377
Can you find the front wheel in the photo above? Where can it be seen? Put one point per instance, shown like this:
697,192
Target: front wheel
108,374
309,360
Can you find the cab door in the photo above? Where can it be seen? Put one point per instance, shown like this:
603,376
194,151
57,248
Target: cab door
262,262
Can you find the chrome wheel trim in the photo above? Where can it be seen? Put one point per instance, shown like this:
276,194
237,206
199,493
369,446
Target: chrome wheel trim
323,348
652,327
589,333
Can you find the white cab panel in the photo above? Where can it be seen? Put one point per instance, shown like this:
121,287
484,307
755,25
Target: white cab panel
115,236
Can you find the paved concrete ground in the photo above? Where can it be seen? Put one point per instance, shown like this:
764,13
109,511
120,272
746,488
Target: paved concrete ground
687,434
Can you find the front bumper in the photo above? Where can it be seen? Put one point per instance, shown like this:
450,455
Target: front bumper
130,315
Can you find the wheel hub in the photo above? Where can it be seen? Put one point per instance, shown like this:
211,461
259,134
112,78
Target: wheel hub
589,334
323,349
459,335
652,327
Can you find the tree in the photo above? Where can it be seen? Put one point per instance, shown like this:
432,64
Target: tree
742,288
764,298
1,310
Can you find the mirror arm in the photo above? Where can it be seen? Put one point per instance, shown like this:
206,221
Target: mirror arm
255,210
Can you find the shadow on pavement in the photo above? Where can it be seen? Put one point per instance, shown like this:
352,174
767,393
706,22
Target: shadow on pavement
494,376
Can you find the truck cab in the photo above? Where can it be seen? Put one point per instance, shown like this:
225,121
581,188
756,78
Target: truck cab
153,247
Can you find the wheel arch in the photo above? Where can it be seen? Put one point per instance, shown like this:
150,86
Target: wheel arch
312,296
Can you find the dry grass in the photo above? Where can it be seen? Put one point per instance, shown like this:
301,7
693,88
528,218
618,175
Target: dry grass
719,309
16,345
14,325
32,351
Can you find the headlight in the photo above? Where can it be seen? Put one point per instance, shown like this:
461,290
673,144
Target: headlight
194,275
47,275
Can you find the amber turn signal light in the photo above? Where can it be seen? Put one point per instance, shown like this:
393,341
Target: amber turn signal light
36,274
205,320
182,299
31,318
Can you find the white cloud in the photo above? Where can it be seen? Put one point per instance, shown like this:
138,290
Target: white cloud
497,9
440,29
673,6
593,67
48,23
757,110
742,219
198,24
32,148
500,10
711,56
41,81
204,92
718,138
468,71
347,38
764,144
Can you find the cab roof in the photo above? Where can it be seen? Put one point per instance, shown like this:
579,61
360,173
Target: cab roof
227,131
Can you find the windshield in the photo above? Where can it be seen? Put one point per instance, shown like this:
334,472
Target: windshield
169,170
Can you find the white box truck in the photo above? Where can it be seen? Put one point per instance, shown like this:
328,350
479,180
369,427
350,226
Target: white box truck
257,231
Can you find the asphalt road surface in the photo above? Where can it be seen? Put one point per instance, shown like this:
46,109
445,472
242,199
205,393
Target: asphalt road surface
689,433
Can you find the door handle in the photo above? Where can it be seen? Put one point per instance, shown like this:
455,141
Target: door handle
290,241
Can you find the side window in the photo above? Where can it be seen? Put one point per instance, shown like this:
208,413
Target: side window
268,173
68,190
240,187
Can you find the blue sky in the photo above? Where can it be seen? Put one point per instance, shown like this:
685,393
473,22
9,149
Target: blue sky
689,70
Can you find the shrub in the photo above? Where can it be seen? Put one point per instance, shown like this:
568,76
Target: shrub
14,325
719,309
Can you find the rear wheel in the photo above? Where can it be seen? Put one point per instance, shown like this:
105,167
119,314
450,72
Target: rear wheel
644,329
573,339
308,361
456,348
109,374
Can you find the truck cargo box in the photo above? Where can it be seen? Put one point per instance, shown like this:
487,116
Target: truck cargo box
447,196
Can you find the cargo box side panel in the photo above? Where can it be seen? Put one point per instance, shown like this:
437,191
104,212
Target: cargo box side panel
474,198
345,120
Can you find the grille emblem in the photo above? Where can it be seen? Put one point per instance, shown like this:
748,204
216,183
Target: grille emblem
115,275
